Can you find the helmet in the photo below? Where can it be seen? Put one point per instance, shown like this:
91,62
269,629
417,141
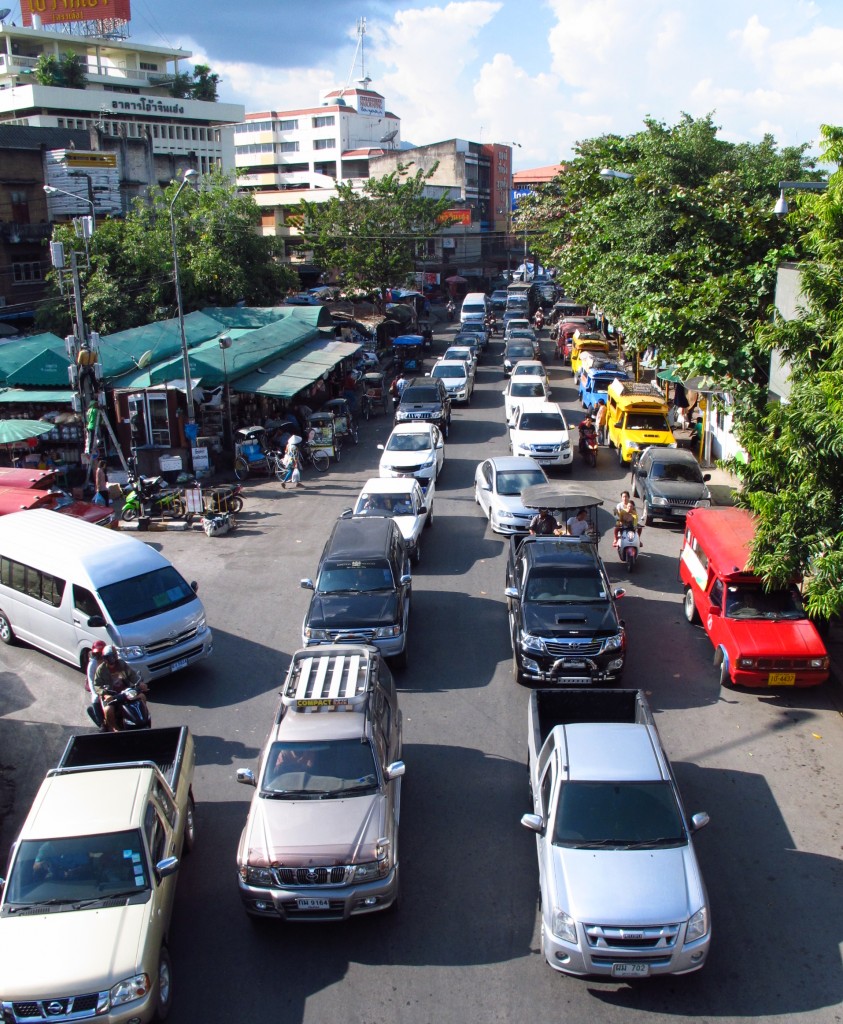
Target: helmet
97,647
109,652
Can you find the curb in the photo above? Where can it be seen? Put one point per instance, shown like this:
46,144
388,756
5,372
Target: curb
158,526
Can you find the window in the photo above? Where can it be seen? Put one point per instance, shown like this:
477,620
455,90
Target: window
25,273
27,580
146,66
156,835
324,143
327,121
287,126
546,784
85,602
288,147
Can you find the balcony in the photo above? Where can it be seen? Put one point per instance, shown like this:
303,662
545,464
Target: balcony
15,234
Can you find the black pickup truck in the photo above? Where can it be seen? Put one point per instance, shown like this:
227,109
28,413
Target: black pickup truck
563,622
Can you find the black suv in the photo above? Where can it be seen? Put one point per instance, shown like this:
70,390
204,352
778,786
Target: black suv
563,622
671,483
426,399
515,350
362,590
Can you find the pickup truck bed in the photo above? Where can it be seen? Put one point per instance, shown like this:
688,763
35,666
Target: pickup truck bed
566,707
162,747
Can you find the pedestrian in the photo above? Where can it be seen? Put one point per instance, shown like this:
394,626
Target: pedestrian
600,420
101,483
292,463
349,390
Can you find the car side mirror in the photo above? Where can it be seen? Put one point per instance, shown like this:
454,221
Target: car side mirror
306,584
511,592
346,513
96,622
423,510
699,820
534,822
194,586
706,477
165,867
406,580
246,776
618,593
714,609
394,770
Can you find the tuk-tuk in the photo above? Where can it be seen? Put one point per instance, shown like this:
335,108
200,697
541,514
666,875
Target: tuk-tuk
249,452
321,433
375,394
408,353
344,424
564,504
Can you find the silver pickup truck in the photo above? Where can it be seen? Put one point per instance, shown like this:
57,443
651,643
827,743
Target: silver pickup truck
621,890
86,907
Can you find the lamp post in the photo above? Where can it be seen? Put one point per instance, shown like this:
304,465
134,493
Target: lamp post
607,173
52,189
781,209
191,418
225,343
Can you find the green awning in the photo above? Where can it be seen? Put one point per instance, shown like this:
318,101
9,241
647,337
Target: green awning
46,397
255,317
284,378
19,351
47,368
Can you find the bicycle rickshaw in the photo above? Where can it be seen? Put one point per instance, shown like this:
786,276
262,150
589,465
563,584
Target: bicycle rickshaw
375,394
408,353
344,423
322,435
250,452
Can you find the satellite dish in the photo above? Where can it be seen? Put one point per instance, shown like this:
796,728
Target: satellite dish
389,136
145,360
4,13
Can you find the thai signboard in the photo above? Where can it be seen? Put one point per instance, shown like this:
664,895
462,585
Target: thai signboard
370,103
53,12
455,217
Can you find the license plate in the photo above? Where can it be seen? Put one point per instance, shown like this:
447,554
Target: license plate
630,970
781,679
313,903
541,460
181,663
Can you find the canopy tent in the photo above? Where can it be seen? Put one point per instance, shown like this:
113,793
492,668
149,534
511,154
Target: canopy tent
284,378
20,351
7,395
48,368
121,353
255,317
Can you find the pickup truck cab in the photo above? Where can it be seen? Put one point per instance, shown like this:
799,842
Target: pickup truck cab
457,377
538,430
321,839
87,902
563,622
622,894
401,499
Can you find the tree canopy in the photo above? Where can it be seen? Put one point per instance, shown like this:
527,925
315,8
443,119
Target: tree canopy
222,259
369,236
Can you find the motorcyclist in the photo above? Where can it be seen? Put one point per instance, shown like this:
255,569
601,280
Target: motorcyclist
627,518
94,661
588,434
539,319
112,676
451,309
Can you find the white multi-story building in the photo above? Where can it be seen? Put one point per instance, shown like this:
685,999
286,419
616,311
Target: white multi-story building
126,95
285,156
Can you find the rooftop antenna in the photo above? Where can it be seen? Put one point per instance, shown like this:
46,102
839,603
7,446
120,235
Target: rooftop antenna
361,49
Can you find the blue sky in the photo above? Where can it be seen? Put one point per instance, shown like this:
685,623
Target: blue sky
543,73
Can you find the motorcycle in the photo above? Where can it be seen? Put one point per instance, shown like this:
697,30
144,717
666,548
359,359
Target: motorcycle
629,546
147,496
588,445
132,710
451,310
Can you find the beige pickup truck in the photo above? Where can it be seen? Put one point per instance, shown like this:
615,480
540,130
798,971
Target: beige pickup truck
87,901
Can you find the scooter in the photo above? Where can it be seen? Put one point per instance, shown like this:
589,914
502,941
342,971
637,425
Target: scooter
451,310
132,711
148,496
629,546
588,446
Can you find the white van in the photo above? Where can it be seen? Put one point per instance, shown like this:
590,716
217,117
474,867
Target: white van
65,583
475,306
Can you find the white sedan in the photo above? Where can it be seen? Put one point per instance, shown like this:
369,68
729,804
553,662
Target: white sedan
413,449
519,389
498,484
530,368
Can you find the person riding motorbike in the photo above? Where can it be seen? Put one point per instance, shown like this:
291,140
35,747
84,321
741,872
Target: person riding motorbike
94,661
626,518
588,434
451,309
538,320
112,676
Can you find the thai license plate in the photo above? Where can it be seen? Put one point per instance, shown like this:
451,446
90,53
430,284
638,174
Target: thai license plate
781,679
181,663
313,903
630,970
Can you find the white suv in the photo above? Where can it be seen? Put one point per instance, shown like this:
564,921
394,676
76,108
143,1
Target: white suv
457,378
539,431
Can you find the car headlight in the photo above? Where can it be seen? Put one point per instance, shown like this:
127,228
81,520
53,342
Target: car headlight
371,870
524,446
819,663
673,445
565,446
130,652
704,503
315,634
257,876
632,446
430,459
614,643
387,631
531,643
564,926
746,663
502,513
128,989
697,925
656,500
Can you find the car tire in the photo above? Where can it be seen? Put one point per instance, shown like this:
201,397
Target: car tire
415,558
621,462
446,428
7,634
689,607
164,993
429,520
723,669
517,674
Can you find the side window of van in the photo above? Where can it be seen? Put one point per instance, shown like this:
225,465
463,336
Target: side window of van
85,602
694,544
32,582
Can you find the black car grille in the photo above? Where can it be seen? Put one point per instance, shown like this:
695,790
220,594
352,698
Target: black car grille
64,1008
171,641
572,648
607,937
684,502
311,876
783,665
192,652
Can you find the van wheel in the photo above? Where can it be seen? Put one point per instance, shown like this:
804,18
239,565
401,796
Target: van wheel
164,998
7,634
689,607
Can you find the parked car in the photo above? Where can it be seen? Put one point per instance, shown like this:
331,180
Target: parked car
427,400
539,431
413,449
670,483
498,483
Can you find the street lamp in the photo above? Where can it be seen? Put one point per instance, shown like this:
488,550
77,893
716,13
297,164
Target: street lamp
185,358
52,189
607,174
225,343
781,209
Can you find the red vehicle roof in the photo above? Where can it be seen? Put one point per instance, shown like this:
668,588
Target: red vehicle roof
726,535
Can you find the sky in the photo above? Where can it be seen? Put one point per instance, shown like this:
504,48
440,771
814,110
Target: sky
542,73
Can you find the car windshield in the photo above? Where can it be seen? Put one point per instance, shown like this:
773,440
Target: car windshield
593,814
459,353
526,389
449,371
77,869
751,601
512,482
419,394
318,771
408,443
519,351
384,505
355,576
676,471
542,421
565,586
528,371
141,597
646,421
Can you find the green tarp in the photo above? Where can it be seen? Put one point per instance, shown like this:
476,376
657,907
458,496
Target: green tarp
46,369
284,378
121,353
254,317
47,397
19,351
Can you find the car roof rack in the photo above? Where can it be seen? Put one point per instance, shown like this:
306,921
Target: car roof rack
336,678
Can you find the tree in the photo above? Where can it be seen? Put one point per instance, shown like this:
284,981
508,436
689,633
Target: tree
222,259
48,69
205,83
794,480
370,236
73,71
181,86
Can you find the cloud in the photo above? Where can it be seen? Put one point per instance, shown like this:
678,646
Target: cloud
752,39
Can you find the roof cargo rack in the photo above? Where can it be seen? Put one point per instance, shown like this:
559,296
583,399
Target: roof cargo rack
330,678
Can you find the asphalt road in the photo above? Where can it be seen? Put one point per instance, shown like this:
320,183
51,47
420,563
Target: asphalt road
464,944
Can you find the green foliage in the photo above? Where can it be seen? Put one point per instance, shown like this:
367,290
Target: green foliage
794,480
222,259
181,86
69,70
370,236
205,83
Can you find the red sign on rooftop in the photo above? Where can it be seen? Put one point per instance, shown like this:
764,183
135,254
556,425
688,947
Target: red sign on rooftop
54,12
